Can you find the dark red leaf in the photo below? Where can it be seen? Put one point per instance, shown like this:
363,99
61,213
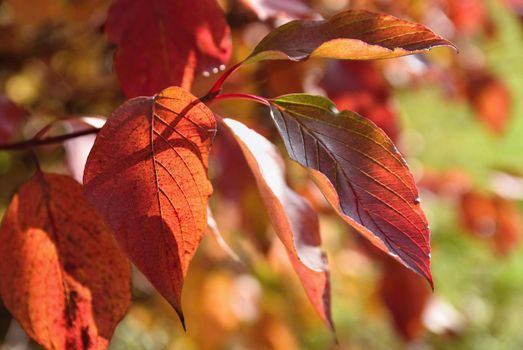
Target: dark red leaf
147,176
62,274
353,34
361,174
166,42
406,297
293,218
11,118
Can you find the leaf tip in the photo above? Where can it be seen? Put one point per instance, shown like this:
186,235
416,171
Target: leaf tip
179,312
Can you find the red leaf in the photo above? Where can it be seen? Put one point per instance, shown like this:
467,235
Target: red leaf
62,275
361,173
11,117
166,42
406,297
293,218
357,35
359,86
147,176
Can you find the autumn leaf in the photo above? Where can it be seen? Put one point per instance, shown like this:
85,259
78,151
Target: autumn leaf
147,176
62,274
360,172
11,118
406,298
165,42
294,220
353,34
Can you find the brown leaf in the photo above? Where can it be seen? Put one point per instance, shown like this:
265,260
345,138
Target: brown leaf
163,42
147,176
361,173
11,118
294,220
353,34
62,274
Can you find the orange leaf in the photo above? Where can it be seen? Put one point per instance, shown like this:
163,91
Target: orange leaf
62,275
361,173
164,42
492,218
490,98
356,35
147,176
294,220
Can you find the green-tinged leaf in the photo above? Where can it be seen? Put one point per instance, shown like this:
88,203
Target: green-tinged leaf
361,174
353,34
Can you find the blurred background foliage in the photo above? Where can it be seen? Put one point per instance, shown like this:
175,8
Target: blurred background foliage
457,118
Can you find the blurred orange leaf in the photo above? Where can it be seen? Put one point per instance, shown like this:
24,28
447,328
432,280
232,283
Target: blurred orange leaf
492,218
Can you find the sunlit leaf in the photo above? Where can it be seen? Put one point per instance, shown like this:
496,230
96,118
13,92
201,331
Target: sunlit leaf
62,274
147,176
360,172
294,220
353,34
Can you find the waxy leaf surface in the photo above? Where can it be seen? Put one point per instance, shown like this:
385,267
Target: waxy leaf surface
147,176
62,274
360,172
166,42
353,34
294,220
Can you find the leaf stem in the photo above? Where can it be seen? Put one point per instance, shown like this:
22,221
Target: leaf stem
241,96
35,142
217,87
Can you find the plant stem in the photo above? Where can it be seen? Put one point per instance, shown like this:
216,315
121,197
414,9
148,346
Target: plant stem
47,141
217,87
242,96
